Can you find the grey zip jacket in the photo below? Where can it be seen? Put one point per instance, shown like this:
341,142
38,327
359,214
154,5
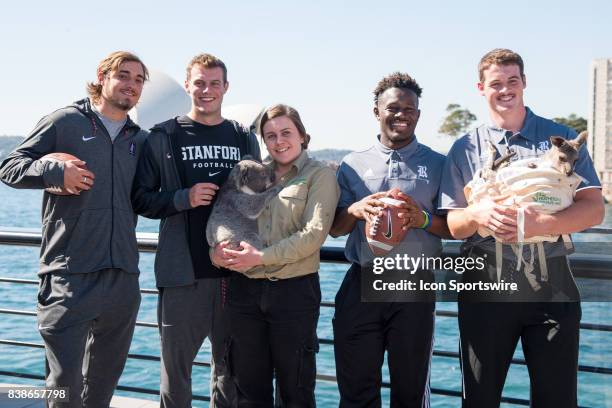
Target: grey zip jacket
159,193
96,229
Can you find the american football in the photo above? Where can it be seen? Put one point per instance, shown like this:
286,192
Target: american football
385,231
58,157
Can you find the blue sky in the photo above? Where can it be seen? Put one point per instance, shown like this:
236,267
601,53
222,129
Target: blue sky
324,58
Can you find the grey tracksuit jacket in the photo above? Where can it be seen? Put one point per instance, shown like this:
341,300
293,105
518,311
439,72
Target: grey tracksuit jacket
94,230
159,193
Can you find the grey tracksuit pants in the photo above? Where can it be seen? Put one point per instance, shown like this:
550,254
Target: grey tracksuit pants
87,322
186,316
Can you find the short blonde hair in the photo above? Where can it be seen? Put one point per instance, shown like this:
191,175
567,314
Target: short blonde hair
111,64
207,61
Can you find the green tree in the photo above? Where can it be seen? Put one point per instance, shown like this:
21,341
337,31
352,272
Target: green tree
573,121
457,121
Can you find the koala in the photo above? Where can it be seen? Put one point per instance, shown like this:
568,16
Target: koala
239,202
563,153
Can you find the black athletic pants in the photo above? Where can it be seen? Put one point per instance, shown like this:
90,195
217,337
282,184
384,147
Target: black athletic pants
362,333
548,330
273,327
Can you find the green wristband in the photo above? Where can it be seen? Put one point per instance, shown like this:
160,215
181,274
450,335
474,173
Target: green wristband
427,222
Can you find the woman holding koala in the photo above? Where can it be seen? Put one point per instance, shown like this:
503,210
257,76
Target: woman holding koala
274,299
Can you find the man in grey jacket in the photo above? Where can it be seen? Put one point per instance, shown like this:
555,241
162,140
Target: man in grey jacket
184,162
89,294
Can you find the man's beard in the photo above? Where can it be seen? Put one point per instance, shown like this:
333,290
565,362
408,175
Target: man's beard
118,103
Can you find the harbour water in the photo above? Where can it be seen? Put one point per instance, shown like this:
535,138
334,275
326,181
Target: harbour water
22,209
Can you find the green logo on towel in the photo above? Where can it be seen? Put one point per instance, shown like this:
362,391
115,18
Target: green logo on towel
546,199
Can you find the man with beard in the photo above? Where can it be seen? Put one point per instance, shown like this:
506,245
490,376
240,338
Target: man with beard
89,295
365,324
185,161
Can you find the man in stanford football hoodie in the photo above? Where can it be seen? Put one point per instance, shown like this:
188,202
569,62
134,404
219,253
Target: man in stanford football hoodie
185,161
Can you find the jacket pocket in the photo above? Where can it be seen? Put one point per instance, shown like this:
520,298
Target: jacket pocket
296,192
293,199
163,226
55,238
44,289
173,265
307,370
124,245
89,246
315,287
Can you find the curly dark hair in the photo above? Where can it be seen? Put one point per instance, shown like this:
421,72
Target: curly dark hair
397,80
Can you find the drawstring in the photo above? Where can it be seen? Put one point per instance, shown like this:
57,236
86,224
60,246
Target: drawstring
518,251
499,259
527,264
223,292
542,259
520,221
95,127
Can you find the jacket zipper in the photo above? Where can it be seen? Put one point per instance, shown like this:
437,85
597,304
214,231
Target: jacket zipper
124,132
176,177
112,203
112,197
180,186
97,123
176,173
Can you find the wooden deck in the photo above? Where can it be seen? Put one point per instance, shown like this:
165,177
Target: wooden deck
117,402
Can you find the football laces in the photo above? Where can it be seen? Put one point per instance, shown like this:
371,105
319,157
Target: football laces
375,224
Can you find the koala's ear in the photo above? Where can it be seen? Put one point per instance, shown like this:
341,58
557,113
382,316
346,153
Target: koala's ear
557,141
244,175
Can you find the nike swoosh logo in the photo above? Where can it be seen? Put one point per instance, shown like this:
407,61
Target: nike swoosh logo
389,232
213,174
86,139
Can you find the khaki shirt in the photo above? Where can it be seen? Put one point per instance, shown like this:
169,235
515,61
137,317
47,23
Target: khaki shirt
295,223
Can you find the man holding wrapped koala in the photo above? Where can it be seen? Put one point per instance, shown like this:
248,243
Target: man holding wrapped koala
545,311
397,166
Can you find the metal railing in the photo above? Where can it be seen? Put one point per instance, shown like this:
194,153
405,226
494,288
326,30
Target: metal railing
582,267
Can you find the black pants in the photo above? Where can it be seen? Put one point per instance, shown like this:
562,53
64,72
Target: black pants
362,333
273,326
548,331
